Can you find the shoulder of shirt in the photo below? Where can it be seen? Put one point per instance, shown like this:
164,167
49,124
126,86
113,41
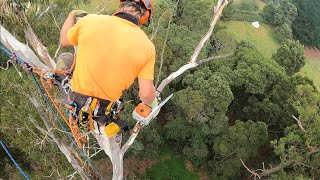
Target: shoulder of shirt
146,39
93,16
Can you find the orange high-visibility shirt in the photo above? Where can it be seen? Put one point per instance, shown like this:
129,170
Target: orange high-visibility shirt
111,53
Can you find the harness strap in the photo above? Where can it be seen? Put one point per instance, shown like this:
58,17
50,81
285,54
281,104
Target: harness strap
94,103
108,109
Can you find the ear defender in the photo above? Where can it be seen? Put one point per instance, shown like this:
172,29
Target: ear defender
145,18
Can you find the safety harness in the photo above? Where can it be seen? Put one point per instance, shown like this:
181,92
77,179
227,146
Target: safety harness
86,111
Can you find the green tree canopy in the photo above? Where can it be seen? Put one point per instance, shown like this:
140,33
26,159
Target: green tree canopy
284,13
300,148
283,32
290,56
306,26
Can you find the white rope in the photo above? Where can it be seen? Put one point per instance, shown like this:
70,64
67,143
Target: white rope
7,67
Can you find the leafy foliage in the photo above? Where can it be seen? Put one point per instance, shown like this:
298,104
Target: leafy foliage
285,13
234,143
290,56
283,32
300,145
28,146
224,42
246,10
306,26
188,10
269,13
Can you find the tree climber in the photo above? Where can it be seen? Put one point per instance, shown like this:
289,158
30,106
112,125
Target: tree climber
112,52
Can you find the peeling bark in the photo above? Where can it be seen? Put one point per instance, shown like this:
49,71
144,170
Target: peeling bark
20,49
36,44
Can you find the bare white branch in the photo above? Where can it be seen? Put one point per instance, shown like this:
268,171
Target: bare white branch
215,57
51,6
155,31
252,172
299,123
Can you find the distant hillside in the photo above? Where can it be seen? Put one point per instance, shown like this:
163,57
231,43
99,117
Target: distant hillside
259,2
264,37
312,67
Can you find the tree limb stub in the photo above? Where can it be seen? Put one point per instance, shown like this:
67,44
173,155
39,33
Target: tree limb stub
133,136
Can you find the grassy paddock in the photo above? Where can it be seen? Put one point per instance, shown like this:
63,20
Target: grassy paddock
259,2
262,38
312,67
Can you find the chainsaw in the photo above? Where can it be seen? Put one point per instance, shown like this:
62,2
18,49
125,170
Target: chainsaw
144,113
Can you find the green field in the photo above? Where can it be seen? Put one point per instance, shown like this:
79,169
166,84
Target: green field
262,37
259,2
312,70
171,167
264,40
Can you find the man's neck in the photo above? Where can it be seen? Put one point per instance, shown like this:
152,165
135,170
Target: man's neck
128,17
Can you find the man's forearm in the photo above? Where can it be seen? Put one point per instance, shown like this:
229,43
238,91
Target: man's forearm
147,91
64,30
148,98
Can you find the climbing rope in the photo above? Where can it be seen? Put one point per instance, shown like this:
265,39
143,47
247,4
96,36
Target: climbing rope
72,123
15,163
40,72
